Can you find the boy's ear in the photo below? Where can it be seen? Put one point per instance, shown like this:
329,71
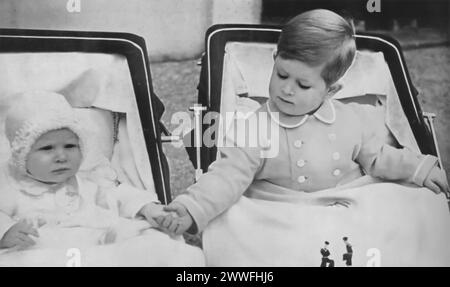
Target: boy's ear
334,88
274,55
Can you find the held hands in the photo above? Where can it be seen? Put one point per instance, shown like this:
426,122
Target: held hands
173,219
177,223
19,235
151,211
437,181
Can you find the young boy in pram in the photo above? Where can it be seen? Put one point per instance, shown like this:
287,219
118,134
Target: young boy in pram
323,143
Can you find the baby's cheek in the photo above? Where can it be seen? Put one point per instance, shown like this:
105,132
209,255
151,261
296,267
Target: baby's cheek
77,158
37,162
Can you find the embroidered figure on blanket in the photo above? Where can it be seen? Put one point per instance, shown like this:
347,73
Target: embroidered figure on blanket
347,256
326,261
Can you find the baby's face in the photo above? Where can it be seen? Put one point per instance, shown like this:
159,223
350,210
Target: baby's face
295,87
54,157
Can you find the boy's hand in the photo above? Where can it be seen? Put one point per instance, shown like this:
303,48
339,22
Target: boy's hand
437,181
19,235
176,224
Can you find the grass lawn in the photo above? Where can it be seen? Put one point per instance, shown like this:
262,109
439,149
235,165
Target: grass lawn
430,70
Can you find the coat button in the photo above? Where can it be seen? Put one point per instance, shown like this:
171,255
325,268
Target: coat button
301,163
301,179
336,172
336,156
332,136
298,143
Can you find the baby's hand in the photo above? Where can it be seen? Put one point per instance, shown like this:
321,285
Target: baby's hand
176,224
19,235
151,211
437,180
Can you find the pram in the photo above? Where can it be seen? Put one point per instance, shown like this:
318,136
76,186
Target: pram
235,72
231,39
106,78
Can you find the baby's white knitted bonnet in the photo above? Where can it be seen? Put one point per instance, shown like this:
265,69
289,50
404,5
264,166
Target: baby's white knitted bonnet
33,115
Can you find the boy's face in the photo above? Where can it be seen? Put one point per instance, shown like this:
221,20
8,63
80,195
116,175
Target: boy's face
55,156
296,88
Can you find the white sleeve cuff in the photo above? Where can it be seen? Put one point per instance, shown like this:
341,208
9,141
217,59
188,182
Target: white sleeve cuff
423,169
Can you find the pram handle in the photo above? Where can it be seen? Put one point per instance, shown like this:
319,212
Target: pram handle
198,110
429,119
168,137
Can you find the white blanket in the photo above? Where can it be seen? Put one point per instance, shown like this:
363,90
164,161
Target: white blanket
75,247
387,224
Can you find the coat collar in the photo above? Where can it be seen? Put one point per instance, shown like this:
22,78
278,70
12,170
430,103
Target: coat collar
325,114
32,187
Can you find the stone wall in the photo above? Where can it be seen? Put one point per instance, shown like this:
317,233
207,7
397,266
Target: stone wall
173,29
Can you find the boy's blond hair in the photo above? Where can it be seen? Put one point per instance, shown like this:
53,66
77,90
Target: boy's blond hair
316,37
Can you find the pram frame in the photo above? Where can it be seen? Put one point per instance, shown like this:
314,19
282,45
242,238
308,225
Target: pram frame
128,45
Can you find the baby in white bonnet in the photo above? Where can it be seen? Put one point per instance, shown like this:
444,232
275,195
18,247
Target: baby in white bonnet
43,191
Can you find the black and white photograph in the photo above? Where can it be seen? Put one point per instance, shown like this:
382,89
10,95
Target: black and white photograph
224,133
